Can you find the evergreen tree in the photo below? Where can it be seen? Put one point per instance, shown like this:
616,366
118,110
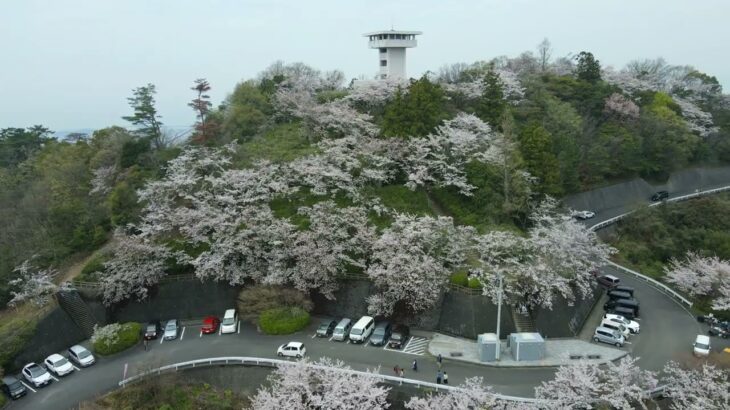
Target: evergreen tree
491,105
536,148
415,113
588,68
145,114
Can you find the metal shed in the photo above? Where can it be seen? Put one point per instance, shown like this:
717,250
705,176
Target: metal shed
487,345
527,346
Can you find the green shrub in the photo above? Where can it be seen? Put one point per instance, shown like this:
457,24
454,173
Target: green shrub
474,283
89,271
254,300
282,321
459,278
115,337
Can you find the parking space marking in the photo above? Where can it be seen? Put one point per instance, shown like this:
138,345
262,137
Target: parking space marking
162,339
416,345
333,336
77,369
182,334
201,333
313,336
220,330
625,342
238,327
52,377
28,387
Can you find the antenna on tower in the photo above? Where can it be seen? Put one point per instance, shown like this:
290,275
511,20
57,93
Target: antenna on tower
391,23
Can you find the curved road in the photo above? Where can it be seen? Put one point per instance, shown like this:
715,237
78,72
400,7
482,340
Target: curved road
668,331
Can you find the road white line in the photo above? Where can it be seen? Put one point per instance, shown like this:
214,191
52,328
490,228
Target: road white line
333,336
348,341
52,377
77,369
410,339
220,330
162,339
313,336
201,333
385,346
28,387
626,343
182,334
238,327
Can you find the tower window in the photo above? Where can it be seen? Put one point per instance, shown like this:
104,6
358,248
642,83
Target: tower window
383,50
383,63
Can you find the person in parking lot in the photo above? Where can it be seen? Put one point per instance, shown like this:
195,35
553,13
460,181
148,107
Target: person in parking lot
414,366
438,377
402,372
396,370
446,378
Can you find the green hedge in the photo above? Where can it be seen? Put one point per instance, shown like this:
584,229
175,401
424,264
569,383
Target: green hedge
126,338
282,321
460,278
474,283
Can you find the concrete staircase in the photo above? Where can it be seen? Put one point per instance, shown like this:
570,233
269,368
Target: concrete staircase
71,302
523,321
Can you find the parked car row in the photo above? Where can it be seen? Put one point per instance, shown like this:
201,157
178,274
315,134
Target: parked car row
621,309
379,334
211,324
38,375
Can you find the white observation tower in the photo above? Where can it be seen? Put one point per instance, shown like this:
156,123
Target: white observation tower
391,45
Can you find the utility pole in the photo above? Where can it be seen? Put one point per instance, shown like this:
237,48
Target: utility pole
499,316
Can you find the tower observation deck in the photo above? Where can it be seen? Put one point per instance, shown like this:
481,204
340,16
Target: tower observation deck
391,45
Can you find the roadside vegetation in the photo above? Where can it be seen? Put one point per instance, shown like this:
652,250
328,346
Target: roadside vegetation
115,337
283,321
169,394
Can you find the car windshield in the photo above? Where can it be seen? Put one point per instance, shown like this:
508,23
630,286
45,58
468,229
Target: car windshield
151,328
379,331
36,371
396,336
702,346
84,354
324,326
170,326
14,385
356,331
228,321
61,362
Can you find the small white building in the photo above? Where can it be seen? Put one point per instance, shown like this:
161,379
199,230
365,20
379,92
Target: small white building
391,45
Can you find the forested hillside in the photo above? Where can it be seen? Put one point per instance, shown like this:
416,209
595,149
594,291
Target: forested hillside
298,177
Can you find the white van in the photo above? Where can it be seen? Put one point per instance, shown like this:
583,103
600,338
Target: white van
701,345
230,321
342,330
362,329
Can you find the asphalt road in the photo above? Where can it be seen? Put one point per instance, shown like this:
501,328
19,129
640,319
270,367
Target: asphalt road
668,331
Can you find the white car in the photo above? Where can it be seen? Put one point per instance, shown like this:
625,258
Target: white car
81,356
36,375
701,346
292,349
230,321
632,325
584,214
58,365
619,327
171,329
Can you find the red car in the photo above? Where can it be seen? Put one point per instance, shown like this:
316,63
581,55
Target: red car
210,324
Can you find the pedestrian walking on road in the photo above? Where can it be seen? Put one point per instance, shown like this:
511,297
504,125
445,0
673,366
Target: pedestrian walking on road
402,372
396,370
145,345
414,366
438,377
439,358
446,378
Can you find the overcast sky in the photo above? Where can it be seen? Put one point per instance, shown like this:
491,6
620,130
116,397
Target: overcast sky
71,64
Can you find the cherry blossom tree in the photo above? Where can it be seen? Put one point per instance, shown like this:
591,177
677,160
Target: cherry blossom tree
702,276
705,388
621,106
472,395
372,94
440,159
336,240
621,385
33,284
325,384
554,258
412,260
136,264
697,120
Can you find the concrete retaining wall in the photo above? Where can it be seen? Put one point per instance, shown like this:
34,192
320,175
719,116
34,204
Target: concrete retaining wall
564,320
54,333
469,315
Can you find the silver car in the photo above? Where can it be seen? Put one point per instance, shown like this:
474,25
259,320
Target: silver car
610,336
171,329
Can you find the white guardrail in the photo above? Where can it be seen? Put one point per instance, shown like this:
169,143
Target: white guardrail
656,284
258,361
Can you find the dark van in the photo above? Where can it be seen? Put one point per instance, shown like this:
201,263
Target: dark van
624,288
615,294
626,303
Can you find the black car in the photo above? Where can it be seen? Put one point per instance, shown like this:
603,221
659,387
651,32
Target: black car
326,328
399,337
13,387
152,330
381,334
660,195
